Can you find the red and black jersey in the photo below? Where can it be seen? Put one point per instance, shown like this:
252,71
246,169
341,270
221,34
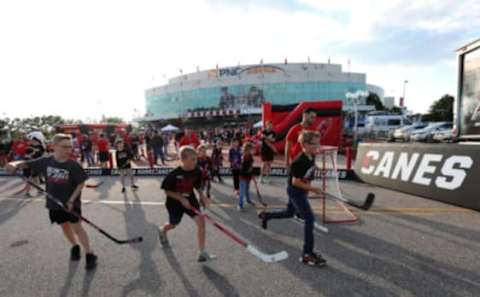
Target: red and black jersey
205,165
181,181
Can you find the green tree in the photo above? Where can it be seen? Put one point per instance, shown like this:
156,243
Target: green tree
113,120
442,109
395,109
373,99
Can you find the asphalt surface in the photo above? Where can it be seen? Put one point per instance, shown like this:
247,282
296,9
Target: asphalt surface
404,246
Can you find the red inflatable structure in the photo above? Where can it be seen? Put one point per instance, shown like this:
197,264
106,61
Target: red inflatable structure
329,120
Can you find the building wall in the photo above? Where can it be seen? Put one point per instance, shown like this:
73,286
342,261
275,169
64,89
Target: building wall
388,102
248,86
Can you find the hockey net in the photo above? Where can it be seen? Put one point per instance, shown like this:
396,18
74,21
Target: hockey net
327,178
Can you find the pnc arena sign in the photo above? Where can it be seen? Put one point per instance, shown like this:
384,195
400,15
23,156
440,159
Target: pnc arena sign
448,173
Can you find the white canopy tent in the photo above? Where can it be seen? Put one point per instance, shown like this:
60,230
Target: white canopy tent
169,128
258,124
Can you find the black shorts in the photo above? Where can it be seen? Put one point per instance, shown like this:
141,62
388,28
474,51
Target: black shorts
176,209
103,156
61,216
267,155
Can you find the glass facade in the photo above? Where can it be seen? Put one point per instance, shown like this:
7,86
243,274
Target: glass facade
174,104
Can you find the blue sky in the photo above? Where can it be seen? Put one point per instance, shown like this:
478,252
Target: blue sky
84,59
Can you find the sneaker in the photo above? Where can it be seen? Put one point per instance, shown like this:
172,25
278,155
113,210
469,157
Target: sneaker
313,260
91,261
263,216
75,253
251,202
162,236
204,256
123,189
134,187
240,208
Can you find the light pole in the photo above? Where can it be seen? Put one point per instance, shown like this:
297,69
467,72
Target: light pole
405,82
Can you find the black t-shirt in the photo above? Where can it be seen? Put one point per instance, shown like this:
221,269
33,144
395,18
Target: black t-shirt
62,178
181,181
302,167
123,158
246,169
267,135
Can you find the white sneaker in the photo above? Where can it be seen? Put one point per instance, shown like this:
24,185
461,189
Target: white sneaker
204,257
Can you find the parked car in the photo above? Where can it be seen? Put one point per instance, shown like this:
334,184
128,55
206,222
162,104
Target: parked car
403,133
443,135
426,133
383,125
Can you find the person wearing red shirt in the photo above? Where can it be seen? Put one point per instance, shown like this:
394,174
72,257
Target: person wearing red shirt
103,151
19,147
292,146
189,138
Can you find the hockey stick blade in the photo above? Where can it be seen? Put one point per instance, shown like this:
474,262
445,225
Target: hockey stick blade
370,198
268,258
252,250
368,201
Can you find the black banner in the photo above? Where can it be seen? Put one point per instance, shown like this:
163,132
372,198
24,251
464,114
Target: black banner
449,173
342,174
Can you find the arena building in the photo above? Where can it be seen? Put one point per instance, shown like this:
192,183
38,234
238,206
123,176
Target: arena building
239,91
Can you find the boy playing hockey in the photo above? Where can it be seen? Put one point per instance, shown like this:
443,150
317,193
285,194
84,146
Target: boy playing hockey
65,180
301,174
179,187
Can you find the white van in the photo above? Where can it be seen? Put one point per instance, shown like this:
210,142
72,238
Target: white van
383,125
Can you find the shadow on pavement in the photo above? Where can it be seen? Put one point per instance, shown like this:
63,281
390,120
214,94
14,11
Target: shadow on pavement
149,279
220,282
72,268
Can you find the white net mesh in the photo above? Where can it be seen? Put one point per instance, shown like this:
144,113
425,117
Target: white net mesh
327,178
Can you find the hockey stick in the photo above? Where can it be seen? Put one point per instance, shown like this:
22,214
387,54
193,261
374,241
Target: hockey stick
57,202
259,196
367,203
268,258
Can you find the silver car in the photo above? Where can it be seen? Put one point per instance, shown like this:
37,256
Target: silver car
443,135
403,133
426,134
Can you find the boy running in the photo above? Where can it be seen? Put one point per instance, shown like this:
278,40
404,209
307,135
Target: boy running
123,157
301,174
65,181
179,187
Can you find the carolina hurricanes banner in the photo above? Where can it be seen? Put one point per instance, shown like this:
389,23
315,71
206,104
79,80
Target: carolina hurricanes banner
448,173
